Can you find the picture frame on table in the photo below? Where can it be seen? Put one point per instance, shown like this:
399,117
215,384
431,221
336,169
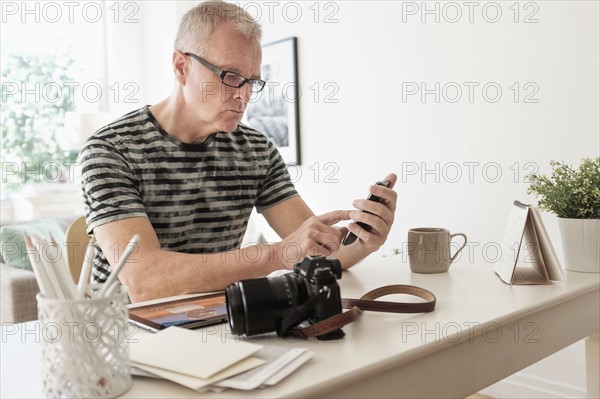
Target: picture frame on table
275,110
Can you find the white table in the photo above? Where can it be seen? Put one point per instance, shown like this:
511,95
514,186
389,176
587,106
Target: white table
481,332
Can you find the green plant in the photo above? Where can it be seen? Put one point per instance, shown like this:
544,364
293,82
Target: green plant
35,95
569,193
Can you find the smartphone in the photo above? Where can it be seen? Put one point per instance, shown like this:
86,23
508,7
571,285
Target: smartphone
351,237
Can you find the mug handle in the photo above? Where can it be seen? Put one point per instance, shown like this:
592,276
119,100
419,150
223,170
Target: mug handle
459,249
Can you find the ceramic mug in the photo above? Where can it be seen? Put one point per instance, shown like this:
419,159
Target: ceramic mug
429,248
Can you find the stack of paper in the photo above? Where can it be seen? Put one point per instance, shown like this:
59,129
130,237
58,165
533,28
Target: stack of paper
200,361
192,359
279,363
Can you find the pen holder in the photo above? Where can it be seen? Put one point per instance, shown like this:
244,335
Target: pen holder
85,352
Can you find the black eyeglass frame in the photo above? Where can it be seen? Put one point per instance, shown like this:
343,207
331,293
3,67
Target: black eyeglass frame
221,74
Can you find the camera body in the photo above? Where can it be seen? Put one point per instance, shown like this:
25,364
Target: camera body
320,273
309,293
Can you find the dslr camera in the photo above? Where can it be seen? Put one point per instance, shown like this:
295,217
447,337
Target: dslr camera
308,294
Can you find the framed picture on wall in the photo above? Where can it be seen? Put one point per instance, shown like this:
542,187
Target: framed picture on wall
275,111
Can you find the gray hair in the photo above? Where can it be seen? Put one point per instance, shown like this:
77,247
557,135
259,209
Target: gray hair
198,24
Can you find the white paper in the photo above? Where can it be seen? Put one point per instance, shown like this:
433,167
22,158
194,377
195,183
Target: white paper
133,370
190,352
199,383
511,243
527,253
550,258
289,368
276,358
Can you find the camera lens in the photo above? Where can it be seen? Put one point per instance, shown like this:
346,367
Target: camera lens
259,305
250,300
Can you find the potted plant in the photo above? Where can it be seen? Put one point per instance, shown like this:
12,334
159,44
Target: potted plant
574,196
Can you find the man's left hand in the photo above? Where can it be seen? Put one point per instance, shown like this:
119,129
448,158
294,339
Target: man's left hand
380,216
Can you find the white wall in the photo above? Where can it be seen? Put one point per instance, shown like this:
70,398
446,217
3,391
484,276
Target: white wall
139,52
482,149
370,131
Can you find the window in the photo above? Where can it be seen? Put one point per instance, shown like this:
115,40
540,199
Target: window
52,61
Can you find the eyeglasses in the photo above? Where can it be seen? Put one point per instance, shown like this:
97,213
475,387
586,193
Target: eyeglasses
229,78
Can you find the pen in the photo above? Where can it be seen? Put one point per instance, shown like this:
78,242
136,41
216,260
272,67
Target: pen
107,286
61,270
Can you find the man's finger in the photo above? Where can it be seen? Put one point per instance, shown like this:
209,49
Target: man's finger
320,250
392,178
334,217
343,231
331,241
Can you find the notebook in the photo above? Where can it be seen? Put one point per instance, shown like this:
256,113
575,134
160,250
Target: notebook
527,256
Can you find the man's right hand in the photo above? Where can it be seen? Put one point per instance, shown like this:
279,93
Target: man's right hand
316,236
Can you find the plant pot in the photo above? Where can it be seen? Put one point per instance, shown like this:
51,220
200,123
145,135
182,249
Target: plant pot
581,244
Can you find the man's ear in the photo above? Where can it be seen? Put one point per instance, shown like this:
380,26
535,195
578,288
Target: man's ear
180,67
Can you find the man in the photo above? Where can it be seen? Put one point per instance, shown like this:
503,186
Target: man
184,175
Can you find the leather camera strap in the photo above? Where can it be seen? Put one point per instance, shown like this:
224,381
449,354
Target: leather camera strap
367,302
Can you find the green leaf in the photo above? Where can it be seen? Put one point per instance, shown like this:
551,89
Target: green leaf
569,193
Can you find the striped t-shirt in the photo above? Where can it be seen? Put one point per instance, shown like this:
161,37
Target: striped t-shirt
198,197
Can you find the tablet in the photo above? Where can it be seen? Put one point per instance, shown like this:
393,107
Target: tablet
190,312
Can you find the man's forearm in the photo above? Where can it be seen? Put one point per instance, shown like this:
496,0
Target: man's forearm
160,273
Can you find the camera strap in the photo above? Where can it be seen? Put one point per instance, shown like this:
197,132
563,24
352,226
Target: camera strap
300,313
368,302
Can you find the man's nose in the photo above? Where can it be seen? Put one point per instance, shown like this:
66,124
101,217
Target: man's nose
243,93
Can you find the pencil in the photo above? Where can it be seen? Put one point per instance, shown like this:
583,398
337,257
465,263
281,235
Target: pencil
107,286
